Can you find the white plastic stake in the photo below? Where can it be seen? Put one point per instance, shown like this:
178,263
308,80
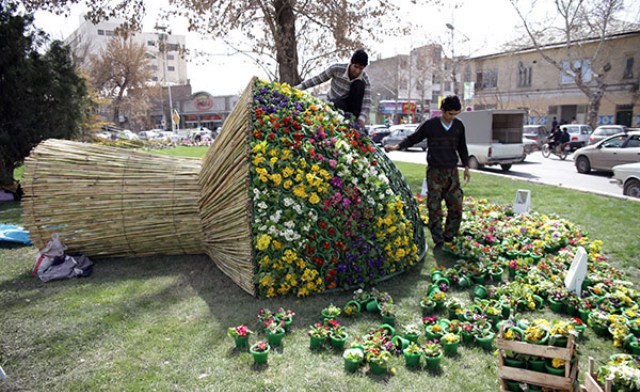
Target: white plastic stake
577,272
423,191
523,201
2,374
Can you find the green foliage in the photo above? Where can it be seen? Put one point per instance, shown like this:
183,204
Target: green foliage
41,95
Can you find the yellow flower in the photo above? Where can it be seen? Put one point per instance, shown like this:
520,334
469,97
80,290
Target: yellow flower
400,253
314,199
557,363
303,292
277,179
287,172
271,292
257,160
299,191
276,244
273,160
286,154
263,241
302,164
315,168
266,281
287,184
274,152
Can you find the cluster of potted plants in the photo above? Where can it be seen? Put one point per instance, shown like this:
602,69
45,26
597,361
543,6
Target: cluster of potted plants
537,250
273,324
623,370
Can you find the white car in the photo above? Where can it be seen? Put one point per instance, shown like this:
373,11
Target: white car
578,134
628,177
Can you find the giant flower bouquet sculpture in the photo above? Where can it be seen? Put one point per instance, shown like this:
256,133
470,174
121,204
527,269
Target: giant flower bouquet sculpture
290,199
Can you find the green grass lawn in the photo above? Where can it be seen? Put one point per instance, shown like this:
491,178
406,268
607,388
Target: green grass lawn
159,323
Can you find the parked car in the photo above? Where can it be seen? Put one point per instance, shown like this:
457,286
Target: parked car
399,132
530,145
537,133
377,132
628,177
579,134
604,131
612,151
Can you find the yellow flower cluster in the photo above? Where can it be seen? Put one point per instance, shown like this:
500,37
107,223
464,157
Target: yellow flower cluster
398,235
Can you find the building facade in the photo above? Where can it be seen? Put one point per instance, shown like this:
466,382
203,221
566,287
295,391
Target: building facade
526,80
163,51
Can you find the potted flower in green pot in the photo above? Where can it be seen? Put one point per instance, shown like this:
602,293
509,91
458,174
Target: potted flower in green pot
450,342
240,335
438,297
559,333
556,299
351,308
337,334
330,312
434,331
412,355
388,311
510,358
378,359
495,271
264,314
432,351
260,352
599,321
318,334
412,332
428,306
454,307
361,297
286,315
484,338
466,332
353,358
555,366
274,328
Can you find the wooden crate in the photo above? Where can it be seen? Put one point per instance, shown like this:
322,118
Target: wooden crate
591,383
546,380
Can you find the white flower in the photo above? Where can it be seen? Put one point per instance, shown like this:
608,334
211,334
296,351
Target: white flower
289,224
262,205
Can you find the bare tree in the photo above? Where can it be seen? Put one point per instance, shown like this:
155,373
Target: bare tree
120,73
275,33
581,22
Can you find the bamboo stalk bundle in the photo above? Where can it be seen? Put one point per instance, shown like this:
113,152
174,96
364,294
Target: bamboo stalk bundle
289,199
106,201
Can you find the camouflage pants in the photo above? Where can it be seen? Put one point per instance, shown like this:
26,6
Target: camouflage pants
444,184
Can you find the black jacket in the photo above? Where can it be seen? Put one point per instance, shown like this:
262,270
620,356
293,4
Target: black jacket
443,147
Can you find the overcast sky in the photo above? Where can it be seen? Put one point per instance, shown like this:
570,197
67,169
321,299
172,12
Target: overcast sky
480,27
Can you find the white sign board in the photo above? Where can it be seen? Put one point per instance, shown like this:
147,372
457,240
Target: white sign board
423,191
523,201
577,272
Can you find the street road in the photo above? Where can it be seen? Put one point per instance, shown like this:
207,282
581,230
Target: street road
536,168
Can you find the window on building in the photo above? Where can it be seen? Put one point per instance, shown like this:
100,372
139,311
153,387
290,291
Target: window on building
171,68
628,69
567,76
151,43
447,86
100,32
154,78
486,79
524,75
173,47
434,96
109,33
171,57
152,67
149,56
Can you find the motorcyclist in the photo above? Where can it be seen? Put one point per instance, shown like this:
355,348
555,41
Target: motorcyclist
555,138
564,138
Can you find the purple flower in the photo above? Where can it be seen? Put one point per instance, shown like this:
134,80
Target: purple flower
336,182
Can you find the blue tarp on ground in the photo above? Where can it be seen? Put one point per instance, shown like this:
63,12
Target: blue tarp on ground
12,234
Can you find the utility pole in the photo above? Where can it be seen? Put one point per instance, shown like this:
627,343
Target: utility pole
162,45
453,61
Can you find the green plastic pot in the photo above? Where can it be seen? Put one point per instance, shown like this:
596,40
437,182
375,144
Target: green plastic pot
433,363
260,357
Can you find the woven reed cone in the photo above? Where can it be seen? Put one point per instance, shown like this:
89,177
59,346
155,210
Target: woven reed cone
225,205
106,201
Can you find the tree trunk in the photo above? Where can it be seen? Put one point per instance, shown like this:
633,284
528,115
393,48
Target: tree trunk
285,40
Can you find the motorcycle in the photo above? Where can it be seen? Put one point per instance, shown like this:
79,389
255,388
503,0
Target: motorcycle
560,151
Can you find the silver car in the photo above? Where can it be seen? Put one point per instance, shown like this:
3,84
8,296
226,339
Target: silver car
612,151
628,177
399,132
604,131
